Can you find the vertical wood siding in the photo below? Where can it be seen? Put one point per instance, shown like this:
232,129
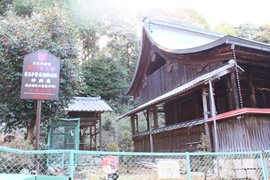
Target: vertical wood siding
172,141
162,81
248,134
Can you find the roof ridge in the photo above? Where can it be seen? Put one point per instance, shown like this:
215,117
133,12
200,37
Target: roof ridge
183,27
87,98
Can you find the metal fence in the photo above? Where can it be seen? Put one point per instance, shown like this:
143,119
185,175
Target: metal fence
64,134
136,166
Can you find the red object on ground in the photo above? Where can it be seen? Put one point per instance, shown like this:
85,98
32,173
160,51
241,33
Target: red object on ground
109,164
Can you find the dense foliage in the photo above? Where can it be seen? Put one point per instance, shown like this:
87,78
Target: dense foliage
48,29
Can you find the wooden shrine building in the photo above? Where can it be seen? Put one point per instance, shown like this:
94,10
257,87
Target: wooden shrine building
191,81
89,110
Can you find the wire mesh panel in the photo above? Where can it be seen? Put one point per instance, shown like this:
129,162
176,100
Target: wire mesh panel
64,134
91,165
50,164
226,166
132,167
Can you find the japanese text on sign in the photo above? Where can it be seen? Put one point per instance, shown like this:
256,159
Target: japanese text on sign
40,78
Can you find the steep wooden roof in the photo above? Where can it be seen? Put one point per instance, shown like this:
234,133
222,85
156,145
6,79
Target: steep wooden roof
189,45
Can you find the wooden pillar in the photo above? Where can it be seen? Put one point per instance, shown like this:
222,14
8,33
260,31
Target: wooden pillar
229,93
150,133
235,91
82,142
175,112
213,114
253,95
205,115
132,124
188,134
155,116
100,135
147,119
171,146
95,136
137,123
143,145
91,137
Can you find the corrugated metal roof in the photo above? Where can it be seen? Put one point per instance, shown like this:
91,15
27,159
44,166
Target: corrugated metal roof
199,80
89,104
185,124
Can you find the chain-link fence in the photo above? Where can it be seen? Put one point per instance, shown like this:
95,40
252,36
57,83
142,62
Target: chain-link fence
64,134
88,165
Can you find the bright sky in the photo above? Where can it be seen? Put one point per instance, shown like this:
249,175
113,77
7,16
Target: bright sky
214,11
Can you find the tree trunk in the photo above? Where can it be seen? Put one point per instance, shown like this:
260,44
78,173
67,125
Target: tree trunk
30,131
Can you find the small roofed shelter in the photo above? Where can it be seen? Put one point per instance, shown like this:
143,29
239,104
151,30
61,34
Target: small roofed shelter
89,110
191,81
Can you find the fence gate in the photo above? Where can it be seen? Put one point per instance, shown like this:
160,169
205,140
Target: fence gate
64,134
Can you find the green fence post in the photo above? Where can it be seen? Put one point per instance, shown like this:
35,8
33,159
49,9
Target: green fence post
265,174
71,164
188,165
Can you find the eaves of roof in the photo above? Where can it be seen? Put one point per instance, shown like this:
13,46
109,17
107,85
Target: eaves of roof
88,104
240,112
172,127
217,40
217,73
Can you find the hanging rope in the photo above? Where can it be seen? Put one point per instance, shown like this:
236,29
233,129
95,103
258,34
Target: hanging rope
237,77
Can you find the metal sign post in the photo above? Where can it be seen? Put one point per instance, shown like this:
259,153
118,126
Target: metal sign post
38,124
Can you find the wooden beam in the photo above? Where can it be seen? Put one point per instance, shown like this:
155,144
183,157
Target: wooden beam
235,91
229,93
205,115
95,137
137,123
147,119
175,112
91,137
89,118
100,136
132,124
155,116
213,115
253,96
171,146
150,134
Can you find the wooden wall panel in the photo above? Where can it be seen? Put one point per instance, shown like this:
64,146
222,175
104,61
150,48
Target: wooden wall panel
172,141
251,133
162,81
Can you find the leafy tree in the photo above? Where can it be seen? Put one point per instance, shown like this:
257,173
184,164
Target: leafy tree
109,51
156,13
205,162
112,146
264,33
104,77
225,28
123,46
186,16
126,142
23,7
4,5
93,19
246,30
49,29
191,17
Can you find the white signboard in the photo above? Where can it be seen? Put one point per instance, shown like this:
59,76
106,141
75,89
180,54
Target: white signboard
168,169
